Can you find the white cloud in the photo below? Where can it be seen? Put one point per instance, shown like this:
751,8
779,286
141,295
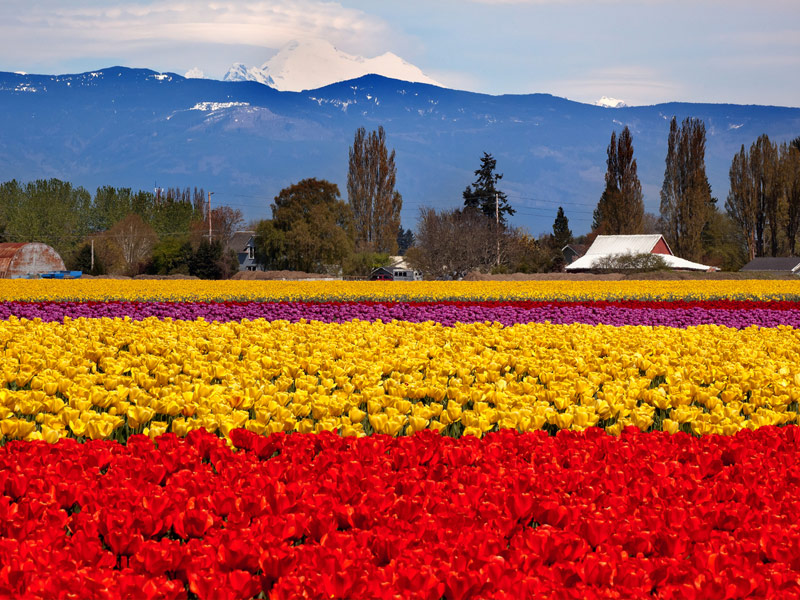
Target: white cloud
47,31
637,85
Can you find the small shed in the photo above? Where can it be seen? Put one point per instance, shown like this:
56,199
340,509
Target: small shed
775,264
28,259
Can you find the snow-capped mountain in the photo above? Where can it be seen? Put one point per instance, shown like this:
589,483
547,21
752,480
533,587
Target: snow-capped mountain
131,127
312,64
607,102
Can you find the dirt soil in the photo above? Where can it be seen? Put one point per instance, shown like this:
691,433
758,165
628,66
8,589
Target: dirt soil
277,275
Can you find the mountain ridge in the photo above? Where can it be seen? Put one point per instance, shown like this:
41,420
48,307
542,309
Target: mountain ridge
245,141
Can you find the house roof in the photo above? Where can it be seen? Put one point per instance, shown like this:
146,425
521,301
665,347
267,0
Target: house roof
579,249
774,263
587,261
625,244
240,239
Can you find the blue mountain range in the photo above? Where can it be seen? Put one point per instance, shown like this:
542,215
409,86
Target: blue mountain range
246,141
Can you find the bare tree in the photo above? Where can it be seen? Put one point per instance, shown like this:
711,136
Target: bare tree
686,203
135,240
370,190
790,192
753,200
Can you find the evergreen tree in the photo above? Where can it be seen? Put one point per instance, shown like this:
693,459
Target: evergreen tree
621,207
405,239
483,195
686,202
561,232
374,202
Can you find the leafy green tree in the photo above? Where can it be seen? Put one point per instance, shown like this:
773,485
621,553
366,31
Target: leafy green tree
363,263
49,211
562,235
374,202
171,256
621,206
311,228
484,196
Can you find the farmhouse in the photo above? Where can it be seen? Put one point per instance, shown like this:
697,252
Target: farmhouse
243,243
397,269
609,246
28,259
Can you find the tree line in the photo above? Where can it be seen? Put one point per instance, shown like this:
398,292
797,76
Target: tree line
761,215
313,229
120,231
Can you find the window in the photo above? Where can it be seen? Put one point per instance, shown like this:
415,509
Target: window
251,268
251,252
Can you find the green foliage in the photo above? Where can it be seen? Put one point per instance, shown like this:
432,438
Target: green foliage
361,264
562,235
171,256
405,239
209,261
724,243
49,211
638,263
483,195
311,228
81,260
621,207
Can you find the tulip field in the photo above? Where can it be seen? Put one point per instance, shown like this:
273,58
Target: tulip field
242,439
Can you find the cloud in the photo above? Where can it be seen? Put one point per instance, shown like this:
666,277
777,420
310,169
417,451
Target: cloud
49,30
633,84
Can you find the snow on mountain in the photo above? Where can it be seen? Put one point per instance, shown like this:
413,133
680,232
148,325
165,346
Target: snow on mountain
194,73
607,102
312,64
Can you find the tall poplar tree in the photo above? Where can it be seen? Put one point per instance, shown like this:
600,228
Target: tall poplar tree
620,210
375,203
790,181
754,197
686,203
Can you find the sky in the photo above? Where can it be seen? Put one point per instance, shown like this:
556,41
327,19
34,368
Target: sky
638,51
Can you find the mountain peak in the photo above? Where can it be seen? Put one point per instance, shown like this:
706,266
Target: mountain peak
607,102
314,63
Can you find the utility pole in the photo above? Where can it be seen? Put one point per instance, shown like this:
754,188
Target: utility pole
497,223
209,216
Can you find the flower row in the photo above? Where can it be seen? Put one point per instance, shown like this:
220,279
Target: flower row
764,315
84,290
535,516
108,378
663,313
